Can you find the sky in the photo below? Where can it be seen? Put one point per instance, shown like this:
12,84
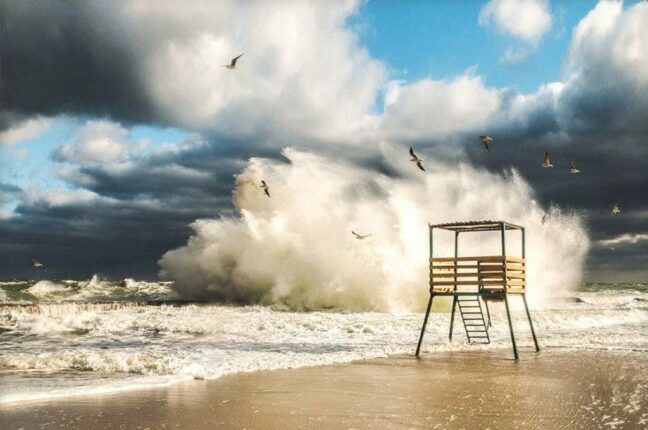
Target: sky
119,127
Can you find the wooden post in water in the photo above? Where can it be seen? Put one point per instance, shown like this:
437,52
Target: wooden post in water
454,300
429,305
506,303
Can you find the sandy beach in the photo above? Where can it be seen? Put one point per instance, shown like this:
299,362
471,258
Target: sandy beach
484,389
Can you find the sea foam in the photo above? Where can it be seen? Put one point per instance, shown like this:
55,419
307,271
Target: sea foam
135,346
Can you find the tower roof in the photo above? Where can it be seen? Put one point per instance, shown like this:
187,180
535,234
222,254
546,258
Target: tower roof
486,225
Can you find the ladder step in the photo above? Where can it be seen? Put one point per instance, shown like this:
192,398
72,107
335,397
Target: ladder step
473,319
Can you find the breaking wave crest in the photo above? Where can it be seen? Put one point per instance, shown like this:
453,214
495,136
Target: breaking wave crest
93,290
296,249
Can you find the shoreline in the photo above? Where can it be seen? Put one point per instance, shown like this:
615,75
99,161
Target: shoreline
473,389
170,380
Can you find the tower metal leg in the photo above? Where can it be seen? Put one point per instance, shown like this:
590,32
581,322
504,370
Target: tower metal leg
454,305
425,320
490,324
535,339
508,315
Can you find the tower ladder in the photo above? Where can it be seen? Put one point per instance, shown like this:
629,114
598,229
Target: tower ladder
473,319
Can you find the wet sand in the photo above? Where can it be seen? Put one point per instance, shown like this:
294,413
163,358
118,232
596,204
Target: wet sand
471,390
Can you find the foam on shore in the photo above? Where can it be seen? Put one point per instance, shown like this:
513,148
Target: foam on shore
129,345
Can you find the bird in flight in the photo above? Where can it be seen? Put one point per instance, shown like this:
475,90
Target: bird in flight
416,159
573,168
544,218
266,188
38,265
615,209
360,236
232,64
545,162
486,141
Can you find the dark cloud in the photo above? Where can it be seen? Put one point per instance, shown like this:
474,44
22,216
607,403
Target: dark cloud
59,57
78,240
73,56
619,262
137,212
7,191
612,170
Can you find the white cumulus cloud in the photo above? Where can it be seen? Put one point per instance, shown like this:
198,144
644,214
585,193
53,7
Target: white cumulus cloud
97,142
304,71
625,238
25,130
436,108
528,20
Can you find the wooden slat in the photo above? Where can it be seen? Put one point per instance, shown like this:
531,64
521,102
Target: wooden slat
463,275
486,258
513,290
492,275
515,267
514,283
467,283
471,266
484,275
516,259
442,289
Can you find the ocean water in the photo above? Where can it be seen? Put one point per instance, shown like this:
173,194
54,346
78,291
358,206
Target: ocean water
60,338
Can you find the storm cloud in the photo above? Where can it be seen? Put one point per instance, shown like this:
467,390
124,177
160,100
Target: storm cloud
305,81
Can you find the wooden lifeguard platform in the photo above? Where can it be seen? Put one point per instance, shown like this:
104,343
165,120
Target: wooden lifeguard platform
472,281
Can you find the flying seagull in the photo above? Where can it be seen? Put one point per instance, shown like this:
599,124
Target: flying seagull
360,236
232,65
486,141
416,159
38,265
545,162
573,168
544,218
266,188
615,209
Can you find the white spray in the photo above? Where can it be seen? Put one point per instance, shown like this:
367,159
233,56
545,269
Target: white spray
296,248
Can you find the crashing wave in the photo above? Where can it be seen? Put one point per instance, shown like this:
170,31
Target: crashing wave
296,248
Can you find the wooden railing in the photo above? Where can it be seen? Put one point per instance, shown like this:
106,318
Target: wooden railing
488,274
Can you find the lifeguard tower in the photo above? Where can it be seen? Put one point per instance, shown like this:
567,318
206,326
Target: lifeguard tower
471,281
